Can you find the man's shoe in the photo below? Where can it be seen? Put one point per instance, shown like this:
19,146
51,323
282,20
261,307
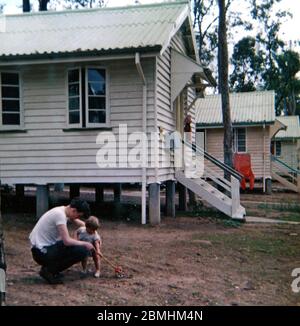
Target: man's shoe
49,277
59,275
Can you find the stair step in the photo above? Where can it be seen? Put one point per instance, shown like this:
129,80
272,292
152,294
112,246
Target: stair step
209,193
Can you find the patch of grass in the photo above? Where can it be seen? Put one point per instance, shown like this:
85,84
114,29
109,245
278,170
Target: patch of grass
284,211
291,217
199,210
284,207
258,243
229,223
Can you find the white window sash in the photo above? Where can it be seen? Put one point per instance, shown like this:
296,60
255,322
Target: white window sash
74,125
21,113
107,110
237,139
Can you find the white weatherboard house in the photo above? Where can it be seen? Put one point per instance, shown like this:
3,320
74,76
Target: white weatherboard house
252,115
69,79
287,142
286,153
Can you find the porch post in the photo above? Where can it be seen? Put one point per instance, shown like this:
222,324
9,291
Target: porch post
182,197
99,193
42,200
117,192
74,190
192,197
235,196
268,186
20,191
59,187
154,203
170,198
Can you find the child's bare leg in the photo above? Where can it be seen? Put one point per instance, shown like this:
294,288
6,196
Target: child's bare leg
96,260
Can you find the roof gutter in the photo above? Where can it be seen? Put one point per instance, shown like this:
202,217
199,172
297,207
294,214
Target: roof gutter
69,57
241,124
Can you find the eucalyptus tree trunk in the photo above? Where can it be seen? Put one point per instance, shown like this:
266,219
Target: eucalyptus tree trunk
223,84
2,262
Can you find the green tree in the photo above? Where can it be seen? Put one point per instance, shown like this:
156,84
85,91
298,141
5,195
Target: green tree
287,84
206,27
248,66
268,39
85,3
263,62
205,15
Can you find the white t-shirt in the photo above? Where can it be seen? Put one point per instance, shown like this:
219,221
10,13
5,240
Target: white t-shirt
45,232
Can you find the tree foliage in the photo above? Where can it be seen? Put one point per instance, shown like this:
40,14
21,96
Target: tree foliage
263,62
205,24
248,66
206,14
86,3
287,84
260,60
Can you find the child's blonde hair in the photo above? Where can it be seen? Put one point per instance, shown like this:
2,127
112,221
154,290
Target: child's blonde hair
92,223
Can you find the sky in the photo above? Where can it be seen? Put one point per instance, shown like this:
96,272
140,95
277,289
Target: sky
290,30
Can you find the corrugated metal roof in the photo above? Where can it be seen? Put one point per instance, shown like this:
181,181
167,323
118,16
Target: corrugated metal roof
293,127
90,29
246,108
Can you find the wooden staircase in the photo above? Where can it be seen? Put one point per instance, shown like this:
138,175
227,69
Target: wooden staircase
212,187
285,175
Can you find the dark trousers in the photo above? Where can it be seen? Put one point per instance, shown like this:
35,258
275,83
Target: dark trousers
59,257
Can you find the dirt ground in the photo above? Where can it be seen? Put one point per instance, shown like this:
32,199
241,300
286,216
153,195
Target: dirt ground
190,260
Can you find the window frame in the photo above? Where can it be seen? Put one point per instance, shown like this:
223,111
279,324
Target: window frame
88,125
278,142
74,125
107,111
235,140
19,126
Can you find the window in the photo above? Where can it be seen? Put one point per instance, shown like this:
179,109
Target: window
74,84
87,97
239,140
10,107
278,148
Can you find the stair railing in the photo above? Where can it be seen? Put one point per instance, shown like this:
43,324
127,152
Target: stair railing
229,188
284,170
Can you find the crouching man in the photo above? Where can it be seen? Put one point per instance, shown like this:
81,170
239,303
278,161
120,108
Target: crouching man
51,244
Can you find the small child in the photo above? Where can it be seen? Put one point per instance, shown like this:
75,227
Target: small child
89,233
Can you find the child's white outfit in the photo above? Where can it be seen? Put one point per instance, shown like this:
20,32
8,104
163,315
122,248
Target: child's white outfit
83,235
